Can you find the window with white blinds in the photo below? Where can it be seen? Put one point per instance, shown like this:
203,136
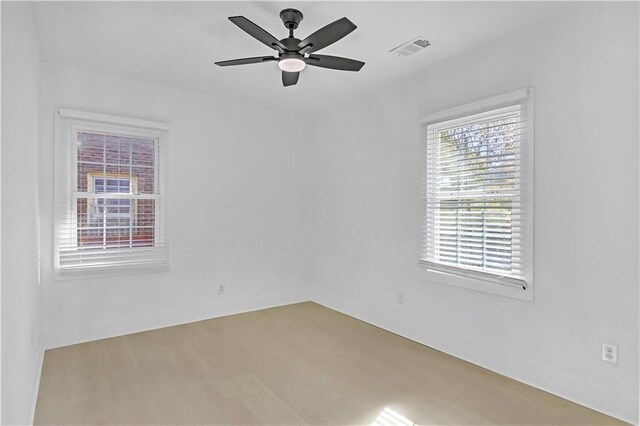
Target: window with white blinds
110,195
477,192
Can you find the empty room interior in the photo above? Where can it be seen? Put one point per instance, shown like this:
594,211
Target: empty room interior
320,213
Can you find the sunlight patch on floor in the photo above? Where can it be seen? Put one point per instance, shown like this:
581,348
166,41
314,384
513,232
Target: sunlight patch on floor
389,417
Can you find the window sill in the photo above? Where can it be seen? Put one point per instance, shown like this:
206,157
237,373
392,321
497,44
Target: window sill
476,284
98,273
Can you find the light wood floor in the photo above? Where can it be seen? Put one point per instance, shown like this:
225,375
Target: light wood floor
297,364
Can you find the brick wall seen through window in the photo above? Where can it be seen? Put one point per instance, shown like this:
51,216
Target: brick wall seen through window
110,165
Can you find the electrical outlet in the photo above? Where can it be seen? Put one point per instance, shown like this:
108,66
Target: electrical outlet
400,298
610,353
222,288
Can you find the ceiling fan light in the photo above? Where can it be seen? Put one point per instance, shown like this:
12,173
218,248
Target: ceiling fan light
291,64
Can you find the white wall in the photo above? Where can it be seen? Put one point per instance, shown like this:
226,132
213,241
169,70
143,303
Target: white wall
367,159
21,351
238,211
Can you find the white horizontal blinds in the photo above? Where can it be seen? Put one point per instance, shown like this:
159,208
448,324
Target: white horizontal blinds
475,182
113,200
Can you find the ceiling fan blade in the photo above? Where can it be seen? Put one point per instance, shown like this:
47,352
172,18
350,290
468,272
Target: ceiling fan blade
326,35
334,62
290,78
244,61
258,33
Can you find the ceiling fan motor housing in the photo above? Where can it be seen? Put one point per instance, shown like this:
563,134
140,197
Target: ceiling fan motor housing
291,18
291,44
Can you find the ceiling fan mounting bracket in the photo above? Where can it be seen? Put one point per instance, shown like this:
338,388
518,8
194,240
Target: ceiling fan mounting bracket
291,18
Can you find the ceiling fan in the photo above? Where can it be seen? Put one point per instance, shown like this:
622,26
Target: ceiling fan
294,54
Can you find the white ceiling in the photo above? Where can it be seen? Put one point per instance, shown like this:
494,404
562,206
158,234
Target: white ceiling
176,43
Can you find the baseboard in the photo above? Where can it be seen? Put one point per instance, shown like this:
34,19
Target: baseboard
605,400
129,325
36,384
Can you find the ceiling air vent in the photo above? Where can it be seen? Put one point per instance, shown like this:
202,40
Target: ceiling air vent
412,46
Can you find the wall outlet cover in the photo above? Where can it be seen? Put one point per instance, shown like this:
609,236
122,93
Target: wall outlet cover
610,353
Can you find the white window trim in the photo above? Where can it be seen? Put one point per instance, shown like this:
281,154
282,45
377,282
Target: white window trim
488,284
67,124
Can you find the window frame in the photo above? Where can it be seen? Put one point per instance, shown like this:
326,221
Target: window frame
69,123
478,280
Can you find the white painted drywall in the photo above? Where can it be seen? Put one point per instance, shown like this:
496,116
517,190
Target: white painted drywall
238,186
366,208
21,350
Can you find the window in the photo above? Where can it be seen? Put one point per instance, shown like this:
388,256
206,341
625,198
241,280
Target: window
110,197
478,198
